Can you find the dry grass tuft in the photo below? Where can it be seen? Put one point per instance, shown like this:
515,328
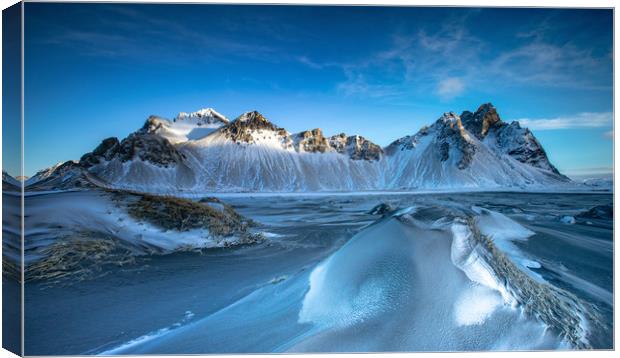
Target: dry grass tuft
79,257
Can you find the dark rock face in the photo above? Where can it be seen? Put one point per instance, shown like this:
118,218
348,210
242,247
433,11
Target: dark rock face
356,147
68,175
452,135
9,183
521,144
240,130
108,148
363,149
152,125
312,141
599,212
381,209
481,121
147,147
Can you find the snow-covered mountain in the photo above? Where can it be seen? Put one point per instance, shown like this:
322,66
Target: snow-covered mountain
185,126
9,183
203,151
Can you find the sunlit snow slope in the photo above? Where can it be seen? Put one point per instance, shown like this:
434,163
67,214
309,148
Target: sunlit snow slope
203,151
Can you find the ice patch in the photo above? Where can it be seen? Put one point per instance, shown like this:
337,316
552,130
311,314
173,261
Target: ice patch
149,336
567,219
499,227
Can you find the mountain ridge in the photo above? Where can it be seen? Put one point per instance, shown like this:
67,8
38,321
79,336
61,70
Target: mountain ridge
204,151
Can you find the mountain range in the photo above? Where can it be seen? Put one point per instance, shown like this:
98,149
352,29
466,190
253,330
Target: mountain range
204,151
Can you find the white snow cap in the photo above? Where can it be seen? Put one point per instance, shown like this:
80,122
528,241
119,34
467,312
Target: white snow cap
206,113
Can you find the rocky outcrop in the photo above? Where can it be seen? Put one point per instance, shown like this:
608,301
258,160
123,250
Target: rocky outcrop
520,143
242,129
381,209
599,212
105,151
479,122
453,140
68,175
149,148
9,183
203,151
311,141
356,147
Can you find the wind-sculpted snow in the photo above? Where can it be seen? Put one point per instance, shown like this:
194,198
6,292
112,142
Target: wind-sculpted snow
437,283
204,152
69,233
338,272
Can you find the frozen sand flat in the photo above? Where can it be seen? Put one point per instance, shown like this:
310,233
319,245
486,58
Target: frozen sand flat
260,291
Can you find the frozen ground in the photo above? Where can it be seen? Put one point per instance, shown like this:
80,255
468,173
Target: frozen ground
332,277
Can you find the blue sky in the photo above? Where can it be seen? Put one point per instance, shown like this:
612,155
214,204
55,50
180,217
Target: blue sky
99,70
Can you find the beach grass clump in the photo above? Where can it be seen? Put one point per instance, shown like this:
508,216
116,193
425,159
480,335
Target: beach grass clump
80,256
172,213
11,269
560,310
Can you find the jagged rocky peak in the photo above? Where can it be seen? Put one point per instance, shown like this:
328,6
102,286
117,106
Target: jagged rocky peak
254,119
146,147
356,147
9,183
450,124
251,127
479,122
454,141
205,116
68,175
521,144
311,141
153,124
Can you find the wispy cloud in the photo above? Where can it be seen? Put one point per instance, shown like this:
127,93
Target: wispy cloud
580,120
448,58
609,134
450,87
129,33
425,61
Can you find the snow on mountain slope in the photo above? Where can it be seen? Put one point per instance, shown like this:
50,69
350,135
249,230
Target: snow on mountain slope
446,155
474,150
186,126
9,183
43,174
252,154
504,138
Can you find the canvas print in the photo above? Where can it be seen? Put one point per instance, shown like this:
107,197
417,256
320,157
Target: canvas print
202,178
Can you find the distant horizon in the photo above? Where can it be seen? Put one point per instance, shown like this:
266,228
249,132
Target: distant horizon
99,70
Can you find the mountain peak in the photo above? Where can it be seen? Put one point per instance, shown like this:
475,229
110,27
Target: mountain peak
247,125
449,117
252,116
480,122
202,116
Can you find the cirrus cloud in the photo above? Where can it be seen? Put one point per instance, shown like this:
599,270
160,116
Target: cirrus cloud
450,87
579,120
